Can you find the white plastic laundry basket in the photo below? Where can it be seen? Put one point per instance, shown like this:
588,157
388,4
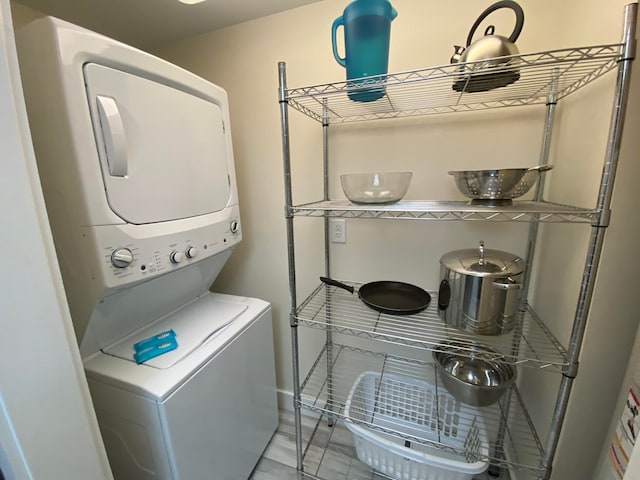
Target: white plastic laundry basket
408,406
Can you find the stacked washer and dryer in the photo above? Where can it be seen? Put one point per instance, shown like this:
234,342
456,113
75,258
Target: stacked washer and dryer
136,164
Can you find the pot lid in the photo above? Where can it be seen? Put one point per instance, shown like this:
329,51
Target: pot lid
481,262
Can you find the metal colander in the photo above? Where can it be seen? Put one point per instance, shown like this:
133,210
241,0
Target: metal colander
497,185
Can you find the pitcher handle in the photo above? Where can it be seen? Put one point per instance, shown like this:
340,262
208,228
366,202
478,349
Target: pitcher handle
336,23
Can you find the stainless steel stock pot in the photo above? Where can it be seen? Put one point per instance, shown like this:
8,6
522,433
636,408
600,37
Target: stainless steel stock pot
480,290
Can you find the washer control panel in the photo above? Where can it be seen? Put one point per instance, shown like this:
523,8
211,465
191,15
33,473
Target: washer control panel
135,260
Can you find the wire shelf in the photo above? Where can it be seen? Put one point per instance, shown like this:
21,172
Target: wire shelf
530,343
552,74
325,391
520,211
330,454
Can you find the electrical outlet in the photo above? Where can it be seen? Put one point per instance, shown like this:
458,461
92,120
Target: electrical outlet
338,230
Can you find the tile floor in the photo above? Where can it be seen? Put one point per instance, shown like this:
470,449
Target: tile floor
279,459
331,455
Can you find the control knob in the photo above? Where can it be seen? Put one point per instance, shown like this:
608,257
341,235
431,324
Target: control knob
234,226
191,252
176,257
121,257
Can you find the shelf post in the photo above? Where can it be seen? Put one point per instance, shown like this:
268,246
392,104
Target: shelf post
597,234
288,200
531,249
327,258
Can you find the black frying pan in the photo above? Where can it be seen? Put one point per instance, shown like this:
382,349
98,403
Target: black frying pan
395,298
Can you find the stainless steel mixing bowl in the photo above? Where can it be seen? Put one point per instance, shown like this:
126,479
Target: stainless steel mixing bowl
475,374
502,184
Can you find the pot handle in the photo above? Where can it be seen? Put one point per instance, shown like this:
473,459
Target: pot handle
506,286
444,295
496,6
511,295
335,283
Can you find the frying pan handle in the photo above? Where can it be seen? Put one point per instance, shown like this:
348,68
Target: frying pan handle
444,295
335,283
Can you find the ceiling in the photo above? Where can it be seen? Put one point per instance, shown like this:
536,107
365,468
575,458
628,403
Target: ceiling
148,24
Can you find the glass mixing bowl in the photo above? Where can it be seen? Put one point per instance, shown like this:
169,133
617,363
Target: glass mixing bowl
366,188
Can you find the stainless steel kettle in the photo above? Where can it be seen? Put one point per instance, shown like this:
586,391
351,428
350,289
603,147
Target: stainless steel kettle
491,51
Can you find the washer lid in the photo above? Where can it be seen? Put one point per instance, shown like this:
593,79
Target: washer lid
164,153
194,325
481,262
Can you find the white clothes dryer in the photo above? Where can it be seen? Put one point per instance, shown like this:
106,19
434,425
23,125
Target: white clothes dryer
136,164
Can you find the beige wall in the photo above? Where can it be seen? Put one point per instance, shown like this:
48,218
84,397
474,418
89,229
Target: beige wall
243,60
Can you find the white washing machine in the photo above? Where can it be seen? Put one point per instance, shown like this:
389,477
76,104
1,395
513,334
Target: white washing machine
205,411
136,164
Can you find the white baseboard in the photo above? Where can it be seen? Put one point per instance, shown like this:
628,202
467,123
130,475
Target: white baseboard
285,400
285,403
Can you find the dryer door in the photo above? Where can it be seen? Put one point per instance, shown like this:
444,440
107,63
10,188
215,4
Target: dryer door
164,153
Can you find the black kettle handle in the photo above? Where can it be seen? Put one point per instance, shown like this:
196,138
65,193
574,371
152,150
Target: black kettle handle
517,9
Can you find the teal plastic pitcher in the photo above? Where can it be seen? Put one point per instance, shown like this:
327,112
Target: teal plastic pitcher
367,28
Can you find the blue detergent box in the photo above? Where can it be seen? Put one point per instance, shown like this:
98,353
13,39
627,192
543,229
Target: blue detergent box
155,346
165,336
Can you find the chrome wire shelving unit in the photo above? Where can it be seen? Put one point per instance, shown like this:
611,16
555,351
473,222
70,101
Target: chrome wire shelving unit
403,345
